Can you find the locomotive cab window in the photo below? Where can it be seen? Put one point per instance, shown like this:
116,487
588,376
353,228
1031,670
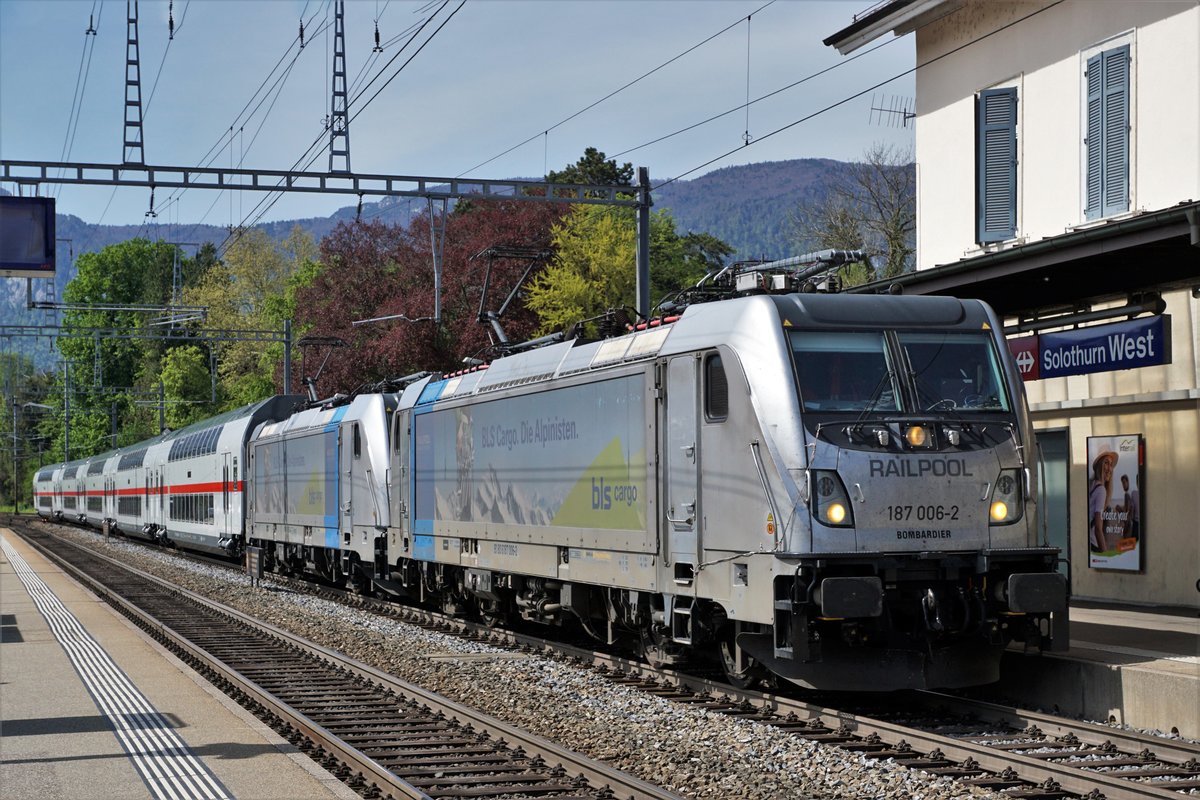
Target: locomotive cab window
844,371
716,389
954,371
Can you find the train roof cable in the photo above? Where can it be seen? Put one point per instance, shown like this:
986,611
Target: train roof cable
857,95
617,91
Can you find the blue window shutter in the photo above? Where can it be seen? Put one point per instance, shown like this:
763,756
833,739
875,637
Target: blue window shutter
996,160
1094,138
1107,143
1116,130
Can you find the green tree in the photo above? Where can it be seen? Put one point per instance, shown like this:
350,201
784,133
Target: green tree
185,378
253,289
110,353
21,445
594,168
593,268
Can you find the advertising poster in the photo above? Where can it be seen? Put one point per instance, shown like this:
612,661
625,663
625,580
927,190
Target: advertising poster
1115,512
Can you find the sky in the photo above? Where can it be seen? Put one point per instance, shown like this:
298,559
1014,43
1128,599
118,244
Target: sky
499,91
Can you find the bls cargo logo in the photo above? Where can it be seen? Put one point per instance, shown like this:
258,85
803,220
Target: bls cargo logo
605,495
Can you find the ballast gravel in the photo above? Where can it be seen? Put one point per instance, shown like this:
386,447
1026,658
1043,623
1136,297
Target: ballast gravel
689,751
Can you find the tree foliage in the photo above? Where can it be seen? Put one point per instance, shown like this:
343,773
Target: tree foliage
371,270
252,289
594,265
110,357
870,207
593,168
185,378
24,386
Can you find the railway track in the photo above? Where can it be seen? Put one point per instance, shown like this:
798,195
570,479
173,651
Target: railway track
1025,754
381,736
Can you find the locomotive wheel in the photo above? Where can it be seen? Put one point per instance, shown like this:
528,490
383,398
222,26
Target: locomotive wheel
741,670
655,646
491,614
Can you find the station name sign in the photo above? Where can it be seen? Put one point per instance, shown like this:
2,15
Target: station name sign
1142,342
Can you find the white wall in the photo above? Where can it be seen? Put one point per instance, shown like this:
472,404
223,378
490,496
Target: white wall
1044,57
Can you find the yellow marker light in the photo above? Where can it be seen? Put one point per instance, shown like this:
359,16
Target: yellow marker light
915,435
836,513
999,510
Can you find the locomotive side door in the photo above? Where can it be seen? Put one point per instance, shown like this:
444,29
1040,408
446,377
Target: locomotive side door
345,481
682,459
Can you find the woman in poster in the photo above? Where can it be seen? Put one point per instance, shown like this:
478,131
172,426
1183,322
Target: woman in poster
1100,499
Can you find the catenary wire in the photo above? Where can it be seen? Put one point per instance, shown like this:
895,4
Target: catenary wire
360,109
617,91
81,76
255,212
759,99
856,95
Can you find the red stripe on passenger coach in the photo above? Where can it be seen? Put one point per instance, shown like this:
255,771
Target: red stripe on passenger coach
182,488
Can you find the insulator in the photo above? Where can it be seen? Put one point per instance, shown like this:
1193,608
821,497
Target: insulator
301,34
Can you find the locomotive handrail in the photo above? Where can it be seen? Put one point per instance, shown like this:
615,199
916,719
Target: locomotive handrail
762,476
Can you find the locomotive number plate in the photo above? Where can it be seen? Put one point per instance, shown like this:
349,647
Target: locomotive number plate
922,513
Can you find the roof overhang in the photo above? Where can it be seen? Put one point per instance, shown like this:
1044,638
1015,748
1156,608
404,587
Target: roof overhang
898,16
1152,252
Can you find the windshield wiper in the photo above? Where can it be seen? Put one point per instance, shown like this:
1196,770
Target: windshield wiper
872,403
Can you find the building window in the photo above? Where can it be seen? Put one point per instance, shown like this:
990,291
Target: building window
1106,145
996,165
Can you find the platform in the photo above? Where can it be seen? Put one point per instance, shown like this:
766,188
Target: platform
90,707
1140,667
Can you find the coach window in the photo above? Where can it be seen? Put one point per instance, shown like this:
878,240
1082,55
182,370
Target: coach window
716,389
357,442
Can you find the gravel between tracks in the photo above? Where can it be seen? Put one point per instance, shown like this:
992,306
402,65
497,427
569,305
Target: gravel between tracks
690,751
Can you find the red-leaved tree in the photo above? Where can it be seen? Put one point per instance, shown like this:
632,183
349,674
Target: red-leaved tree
370,270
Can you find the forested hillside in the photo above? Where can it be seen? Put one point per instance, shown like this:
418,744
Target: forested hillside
750,206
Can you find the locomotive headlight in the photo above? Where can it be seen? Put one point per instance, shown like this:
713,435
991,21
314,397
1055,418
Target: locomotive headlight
917,436
1005,505
830,501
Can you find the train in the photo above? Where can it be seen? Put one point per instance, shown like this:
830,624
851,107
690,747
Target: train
835,490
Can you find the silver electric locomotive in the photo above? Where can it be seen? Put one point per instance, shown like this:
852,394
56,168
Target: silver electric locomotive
836,489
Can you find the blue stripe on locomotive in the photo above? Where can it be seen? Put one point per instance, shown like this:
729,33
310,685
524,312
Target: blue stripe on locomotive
423,547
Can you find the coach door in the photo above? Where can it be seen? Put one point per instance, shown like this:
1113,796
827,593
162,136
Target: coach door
682,459
226,495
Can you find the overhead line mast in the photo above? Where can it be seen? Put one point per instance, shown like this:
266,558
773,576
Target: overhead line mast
339,121
133,152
